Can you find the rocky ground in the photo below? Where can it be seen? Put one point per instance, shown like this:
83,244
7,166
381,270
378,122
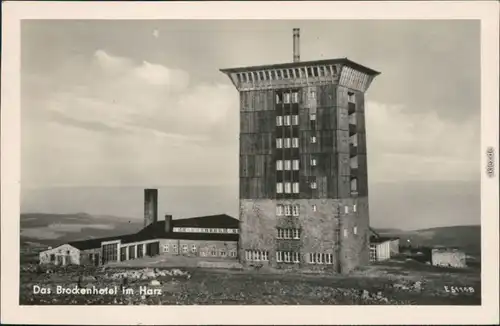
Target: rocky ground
390,283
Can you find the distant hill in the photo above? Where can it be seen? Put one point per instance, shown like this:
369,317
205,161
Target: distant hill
53,229
464,237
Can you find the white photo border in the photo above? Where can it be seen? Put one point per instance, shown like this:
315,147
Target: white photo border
12,312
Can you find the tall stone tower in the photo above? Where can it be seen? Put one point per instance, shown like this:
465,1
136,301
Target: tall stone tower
303,167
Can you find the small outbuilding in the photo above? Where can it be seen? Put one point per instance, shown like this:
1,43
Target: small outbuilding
382,248
448,257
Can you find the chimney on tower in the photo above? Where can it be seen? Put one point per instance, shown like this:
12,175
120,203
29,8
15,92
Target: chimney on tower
296,45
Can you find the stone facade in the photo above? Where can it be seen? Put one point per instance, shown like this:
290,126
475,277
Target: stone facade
448,258
317,223
62,255
197,248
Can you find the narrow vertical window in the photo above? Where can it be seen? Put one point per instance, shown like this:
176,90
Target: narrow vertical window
279,142
279,165
346,209
295,165
313,185
279,210
287,142
279,188
286,98
345,233
314,208
279,98
296,210
295,96
288,165
313,161
288,188
296,188
288,210
351,98
279,120
287,121
295,142
295,120
354,208
313,139
355,230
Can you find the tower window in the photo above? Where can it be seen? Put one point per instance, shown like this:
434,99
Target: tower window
313,162
287,121
288,165
279,120
295,120
295,187
288,188
279,210
355,230
354,208
295,142
279,187
279,165
295,165
287,142
279,98
346,209
350,97
279,142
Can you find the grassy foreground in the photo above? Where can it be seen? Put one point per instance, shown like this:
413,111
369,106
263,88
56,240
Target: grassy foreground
389,283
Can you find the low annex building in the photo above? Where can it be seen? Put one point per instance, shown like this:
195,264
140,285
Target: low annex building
206,236
382,248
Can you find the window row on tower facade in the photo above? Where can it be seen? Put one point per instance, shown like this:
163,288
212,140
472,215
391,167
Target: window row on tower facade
287,165
287,188
294,209
288,233
293,257
287,143
287,97
287,120
287,210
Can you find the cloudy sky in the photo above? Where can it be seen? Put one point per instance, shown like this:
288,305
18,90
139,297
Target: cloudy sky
142,104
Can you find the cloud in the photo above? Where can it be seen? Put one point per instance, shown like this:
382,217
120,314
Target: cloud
420,146
116,122
115,93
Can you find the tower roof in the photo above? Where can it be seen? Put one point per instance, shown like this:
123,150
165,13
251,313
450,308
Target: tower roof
340,71
341,61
